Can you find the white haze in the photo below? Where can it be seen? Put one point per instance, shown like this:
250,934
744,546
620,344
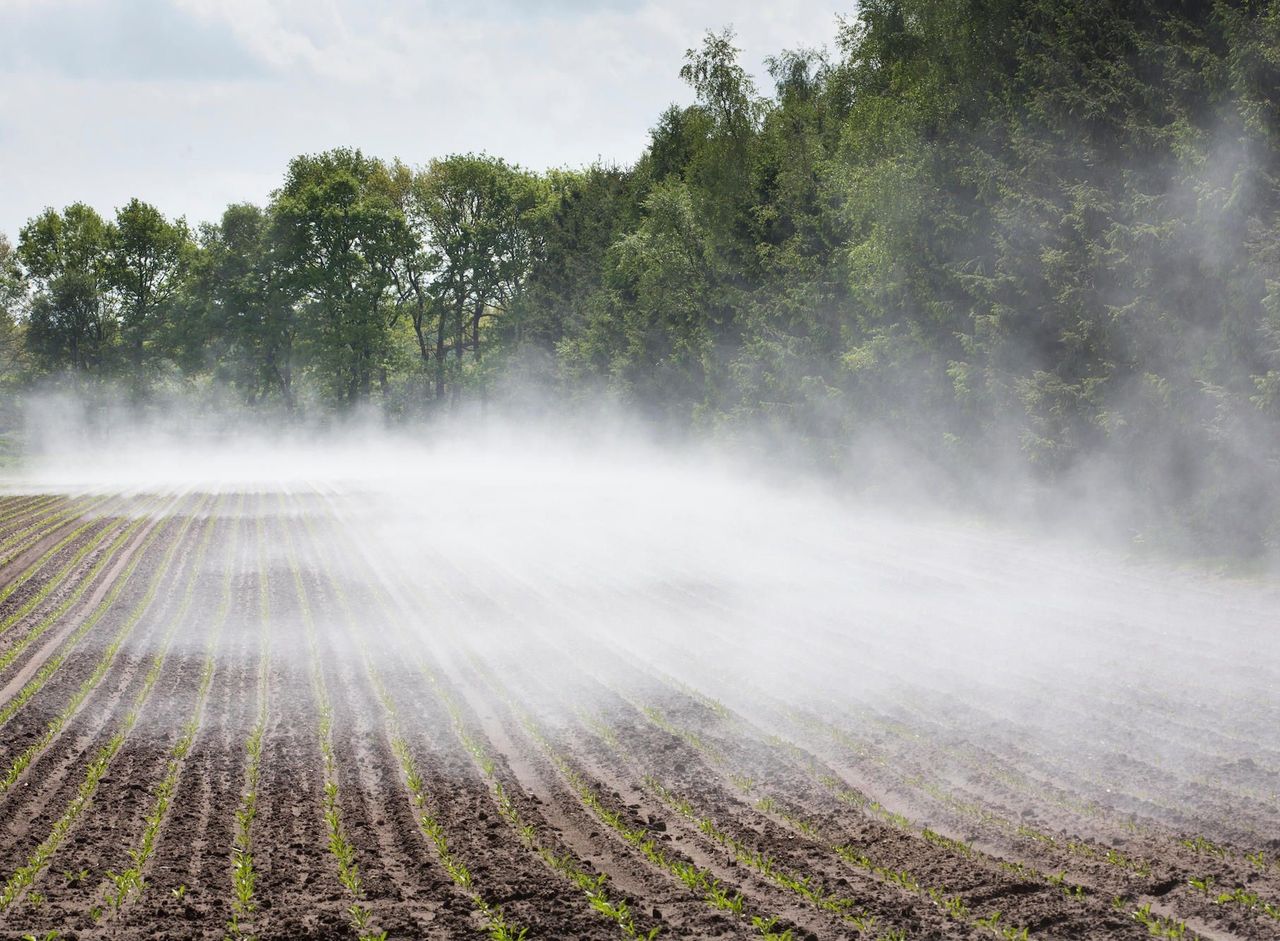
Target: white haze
574,562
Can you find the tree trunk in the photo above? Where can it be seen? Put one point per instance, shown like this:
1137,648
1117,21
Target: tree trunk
440,357
286,387
475,326
475,332
460,342
419,315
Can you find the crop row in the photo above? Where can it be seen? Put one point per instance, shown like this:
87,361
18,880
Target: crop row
120,887
564,864
42,525
50,666
805,886
49,585
24,876
799,884
20,510
340,845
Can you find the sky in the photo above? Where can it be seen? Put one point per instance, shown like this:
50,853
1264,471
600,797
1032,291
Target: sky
195,104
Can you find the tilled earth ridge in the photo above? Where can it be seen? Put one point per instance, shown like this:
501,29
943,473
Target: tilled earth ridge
449,753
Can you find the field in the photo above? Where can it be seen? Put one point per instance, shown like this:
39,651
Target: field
263,713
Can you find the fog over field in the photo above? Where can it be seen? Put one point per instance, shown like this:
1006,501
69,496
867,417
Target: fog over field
530,660
543,547
846,510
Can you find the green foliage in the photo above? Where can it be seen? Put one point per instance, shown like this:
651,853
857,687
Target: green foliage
474,213
241,318
339,234
64,255
1027,234
13,290
143,268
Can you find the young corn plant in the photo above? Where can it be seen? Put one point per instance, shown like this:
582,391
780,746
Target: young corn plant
130,882
701,882
243,874
24,877
1157,925
340,846
1069,889
1204,847
55,725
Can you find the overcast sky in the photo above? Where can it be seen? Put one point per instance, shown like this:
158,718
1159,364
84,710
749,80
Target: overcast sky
193,104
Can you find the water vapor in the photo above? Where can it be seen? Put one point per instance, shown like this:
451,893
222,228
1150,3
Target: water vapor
582,566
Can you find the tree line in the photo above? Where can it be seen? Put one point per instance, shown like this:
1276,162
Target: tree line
994,232
357,277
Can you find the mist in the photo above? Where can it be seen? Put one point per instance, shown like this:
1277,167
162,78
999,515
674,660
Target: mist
856,517
588,565
504,606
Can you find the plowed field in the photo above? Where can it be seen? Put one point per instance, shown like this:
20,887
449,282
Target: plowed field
290,715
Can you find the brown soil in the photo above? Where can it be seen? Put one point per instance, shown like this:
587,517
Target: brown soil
869,815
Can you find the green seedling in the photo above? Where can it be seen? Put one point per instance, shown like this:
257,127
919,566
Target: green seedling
1159,926
359,917
1199,844
499,930
991,921
764,927
720,898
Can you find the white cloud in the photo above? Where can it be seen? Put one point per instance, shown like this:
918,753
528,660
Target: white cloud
192,104
141,40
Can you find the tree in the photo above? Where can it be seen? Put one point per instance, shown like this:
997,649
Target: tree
143,267
476,211
13,296
671,299
719,170
583,215
244,319
340,237
413,270
70,324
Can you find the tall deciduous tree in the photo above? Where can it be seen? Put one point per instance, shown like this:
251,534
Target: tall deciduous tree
13,296
145,260
243,311
477,212
70,324
340,236
720,164
414,268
